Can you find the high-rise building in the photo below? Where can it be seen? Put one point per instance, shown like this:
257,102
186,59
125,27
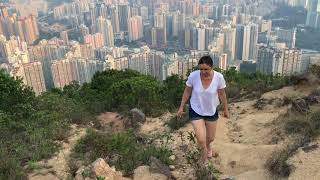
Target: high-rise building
160,29
115,19
81,70
282,61
178,23
246,43
247,40
95,40
230,44
313,15
134,11
226,10
194,38
3,12
64,37
140,61
253,42
169,23
109,35
187,39
265,26
104,26
120,63
209,37
154,37
135,28
201,32
11,46
156,61
144,13
84,30
32,76
26,28
220,60
124,15
286,36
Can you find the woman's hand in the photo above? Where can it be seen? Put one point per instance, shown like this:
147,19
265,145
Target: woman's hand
226,113
180,112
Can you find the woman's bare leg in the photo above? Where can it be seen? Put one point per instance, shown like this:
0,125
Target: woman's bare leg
200,131
210,133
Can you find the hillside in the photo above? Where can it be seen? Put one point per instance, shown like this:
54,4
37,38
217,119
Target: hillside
273,130
245,142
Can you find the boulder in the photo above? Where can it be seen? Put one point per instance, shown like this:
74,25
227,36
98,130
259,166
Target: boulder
156,166
137,115
99,168
136,119
143,173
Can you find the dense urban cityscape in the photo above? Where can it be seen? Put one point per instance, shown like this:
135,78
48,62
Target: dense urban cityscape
50,45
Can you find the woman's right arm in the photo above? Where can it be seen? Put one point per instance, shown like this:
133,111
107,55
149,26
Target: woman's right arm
186,94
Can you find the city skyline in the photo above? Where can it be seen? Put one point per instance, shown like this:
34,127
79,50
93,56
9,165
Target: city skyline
156,38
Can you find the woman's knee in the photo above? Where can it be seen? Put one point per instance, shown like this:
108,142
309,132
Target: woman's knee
202,142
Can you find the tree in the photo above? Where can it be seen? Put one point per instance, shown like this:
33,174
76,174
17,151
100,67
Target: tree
15,97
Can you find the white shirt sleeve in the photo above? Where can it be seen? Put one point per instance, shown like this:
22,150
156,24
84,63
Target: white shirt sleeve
222,82
189,82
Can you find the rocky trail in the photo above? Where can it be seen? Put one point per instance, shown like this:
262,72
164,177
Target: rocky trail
57,167
244,142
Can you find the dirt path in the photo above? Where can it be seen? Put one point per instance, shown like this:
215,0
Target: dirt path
57,166
245,142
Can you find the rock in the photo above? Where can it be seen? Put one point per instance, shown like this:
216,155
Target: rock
156,166
312,99
136,119
227,177
143,173
232,164
243,111
261,103
172,157
300,105
138,115
80,175
99,168
309,148
172,167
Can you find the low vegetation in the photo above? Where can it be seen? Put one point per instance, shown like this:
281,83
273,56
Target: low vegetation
301,129
243,85
122,150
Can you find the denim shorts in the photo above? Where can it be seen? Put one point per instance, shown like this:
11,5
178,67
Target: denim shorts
195,116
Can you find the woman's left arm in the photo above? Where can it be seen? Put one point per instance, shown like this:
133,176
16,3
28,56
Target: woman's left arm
223,98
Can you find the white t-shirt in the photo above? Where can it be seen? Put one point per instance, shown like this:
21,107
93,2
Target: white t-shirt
205,101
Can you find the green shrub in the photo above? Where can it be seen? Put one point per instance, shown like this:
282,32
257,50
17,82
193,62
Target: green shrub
305,126
122,150
278,165
10,167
